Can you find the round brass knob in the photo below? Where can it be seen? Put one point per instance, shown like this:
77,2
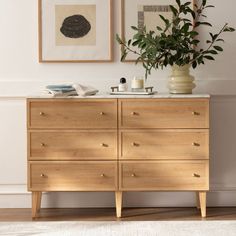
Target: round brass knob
133,175
195,113
195,144
103,145
41,113
196,175
102,113
134,113
102,175
42,144
42,175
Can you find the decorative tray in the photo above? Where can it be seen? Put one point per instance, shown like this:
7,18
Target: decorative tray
146,91
133,93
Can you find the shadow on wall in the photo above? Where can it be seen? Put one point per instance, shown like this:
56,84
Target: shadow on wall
223,143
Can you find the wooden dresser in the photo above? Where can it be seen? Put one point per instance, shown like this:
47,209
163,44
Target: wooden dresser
114,144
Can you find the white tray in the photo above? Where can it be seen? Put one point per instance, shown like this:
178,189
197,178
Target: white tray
133,93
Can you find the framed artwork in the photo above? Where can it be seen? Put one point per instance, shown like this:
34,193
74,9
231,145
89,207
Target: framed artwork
143,12
75,30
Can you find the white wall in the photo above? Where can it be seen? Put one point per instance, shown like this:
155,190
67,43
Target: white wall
21,74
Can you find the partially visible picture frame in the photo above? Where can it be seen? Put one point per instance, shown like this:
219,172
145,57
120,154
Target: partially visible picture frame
75,30
143,12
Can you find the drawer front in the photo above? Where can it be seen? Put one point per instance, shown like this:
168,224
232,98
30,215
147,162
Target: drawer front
164,144
164,175
69,113
72,145
72,176
164,113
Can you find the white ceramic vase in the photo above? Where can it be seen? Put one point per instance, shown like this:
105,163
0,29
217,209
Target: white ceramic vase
180,81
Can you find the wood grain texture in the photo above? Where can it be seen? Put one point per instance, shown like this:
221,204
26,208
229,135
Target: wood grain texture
118,195
163,113
36,203
163,175
66,113
73,176
202,200
73,145
164,144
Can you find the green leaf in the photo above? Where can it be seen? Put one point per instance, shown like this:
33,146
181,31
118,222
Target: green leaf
134,28
206,23
174,10
129,42
220,40
218,48
194,64
209,58
178,2
204,2
159,28
214,52
165,20
208,6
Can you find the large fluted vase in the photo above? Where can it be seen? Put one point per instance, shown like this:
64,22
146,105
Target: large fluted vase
180,81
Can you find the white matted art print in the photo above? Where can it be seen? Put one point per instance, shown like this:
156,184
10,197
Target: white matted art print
75,30
142,13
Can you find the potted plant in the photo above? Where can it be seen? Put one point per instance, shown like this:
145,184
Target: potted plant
176,44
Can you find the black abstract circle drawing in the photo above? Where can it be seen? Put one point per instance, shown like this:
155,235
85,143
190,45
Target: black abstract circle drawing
76,26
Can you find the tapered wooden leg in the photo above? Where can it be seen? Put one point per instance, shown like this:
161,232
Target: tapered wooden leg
118,203
36,203
202,199
197,200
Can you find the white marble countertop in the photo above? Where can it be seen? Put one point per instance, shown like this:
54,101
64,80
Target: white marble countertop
107,95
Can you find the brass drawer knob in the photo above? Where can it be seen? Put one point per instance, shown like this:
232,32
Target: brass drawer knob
102,113
135,144
195,113
133,175
41,113
102,175
195,144
42,144
134,113
103,145
196,175
42,176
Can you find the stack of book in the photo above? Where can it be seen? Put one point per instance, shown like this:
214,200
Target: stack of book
60,91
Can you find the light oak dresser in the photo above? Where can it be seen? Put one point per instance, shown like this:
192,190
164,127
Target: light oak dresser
159,143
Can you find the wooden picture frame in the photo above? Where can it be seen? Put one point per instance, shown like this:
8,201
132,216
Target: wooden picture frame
129,16
75,31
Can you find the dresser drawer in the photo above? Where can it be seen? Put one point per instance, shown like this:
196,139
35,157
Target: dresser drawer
72,145
164,113
72,176
164,144
164,175
72,113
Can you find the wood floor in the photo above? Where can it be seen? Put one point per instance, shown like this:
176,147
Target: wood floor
108,214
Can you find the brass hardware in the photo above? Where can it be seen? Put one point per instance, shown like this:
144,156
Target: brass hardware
102,175
114,88
195,144
41,113
43,144
147,89
102,113
42,175
133,175
134,144
134,113
196,175
104,145
195,113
